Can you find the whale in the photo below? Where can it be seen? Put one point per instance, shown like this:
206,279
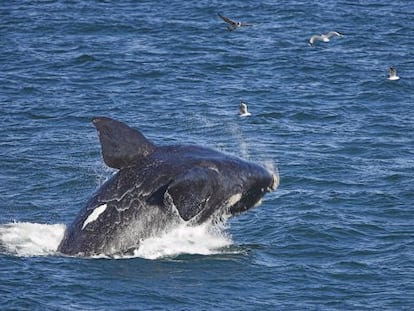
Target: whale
156,188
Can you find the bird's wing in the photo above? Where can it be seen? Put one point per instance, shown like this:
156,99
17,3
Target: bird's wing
333,33
227,20
314,38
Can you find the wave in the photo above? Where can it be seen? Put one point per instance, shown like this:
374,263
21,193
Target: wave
33,239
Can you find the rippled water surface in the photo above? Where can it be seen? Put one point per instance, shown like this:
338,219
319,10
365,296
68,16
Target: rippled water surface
337,234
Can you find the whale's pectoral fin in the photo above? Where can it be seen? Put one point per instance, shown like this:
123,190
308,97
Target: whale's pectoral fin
122,146
191,191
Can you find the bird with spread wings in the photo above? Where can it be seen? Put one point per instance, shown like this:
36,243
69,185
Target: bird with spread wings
232,25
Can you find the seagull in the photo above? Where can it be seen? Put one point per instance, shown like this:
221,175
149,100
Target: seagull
233,24
323,37
243,110
393,74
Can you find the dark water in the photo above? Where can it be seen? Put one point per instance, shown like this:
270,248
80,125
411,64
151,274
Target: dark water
338,234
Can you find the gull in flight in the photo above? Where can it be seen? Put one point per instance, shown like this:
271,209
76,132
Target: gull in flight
393,74
243,110
323,37
233,24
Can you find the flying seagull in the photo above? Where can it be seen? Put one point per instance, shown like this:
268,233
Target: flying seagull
323,37
243,110
232,25
393,74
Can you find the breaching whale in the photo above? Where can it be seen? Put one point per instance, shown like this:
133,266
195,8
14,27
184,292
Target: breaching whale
157,187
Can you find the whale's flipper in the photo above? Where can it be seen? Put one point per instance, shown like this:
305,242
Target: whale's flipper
192,191
121,145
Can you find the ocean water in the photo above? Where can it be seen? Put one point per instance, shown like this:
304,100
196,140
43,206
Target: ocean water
338,234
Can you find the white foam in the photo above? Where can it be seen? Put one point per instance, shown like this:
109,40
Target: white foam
203,239
31,239
94,215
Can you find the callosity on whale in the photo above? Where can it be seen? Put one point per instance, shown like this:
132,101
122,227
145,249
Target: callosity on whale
157,187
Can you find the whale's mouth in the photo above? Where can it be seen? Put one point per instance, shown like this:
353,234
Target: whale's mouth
253,197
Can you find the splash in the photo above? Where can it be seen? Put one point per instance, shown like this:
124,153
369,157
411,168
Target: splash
269,165
31,239
204,239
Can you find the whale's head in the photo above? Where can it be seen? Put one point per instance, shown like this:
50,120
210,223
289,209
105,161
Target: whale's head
255,182
203,182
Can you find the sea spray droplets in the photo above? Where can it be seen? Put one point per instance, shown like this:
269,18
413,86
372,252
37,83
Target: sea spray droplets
269,165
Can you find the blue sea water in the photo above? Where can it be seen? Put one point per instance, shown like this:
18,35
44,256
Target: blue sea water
338,234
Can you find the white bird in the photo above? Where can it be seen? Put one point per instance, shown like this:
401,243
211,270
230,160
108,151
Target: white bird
233,24
393,74
323,37
243,110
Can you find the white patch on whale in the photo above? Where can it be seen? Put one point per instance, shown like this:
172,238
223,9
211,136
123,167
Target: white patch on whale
94,215
234,199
